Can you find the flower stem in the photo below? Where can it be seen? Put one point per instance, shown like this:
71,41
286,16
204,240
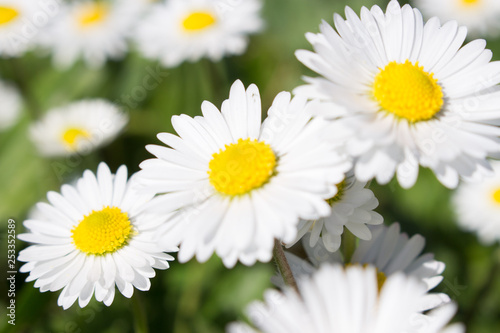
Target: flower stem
283,266
140,318
348,245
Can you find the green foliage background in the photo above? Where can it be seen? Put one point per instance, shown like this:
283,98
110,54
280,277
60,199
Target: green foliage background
197,297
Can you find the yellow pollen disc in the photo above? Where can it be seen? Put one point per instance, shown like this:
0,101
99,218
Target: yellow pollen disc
92,14
496,196
7,14
407,91
469,2
241,167
72,135
102,232
198,21
338,195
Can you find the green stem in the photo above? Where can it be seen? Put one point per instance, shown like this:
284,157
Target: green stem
348,245
283,266
140,318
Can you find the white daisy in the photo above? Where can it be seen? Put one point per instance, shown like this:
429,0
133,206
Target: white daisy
236,184
352,207
19,26
390,252
481,17
77,128
180,30
92,30
350,300
477,207
409,92
10,106
92,236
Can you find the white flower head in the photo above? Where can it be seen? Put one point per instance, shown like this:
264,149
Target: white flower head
352,207
181,30
477,207
348,300
19,26
10,105
389,251
235,184
94,31
481,17
410,93
77,128
93,236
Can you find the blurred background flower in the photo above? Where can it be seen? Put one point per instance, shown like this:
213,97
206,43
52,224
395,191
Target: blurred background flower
77,128
16,18
93,31
481,17
10,107
178,30
477,207
191,297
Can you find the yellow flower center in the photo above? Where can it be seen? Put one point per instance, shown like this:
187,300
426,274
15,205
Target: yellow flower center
92,14
72,135
338,195
241,167
7,14
102,232
469,2
496,196
198,21
407,91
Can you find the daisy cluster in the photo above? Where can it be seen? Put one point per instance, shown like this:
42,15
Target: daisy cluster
169,31
392,93
94,32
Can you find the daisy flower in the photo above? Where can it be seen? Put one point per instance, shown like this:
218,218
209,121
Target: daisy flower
10,108
352,207
17,26
92,236
92,30
481,17
390,251
180,30
410,93
348,300
77,128
233,185
477,207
